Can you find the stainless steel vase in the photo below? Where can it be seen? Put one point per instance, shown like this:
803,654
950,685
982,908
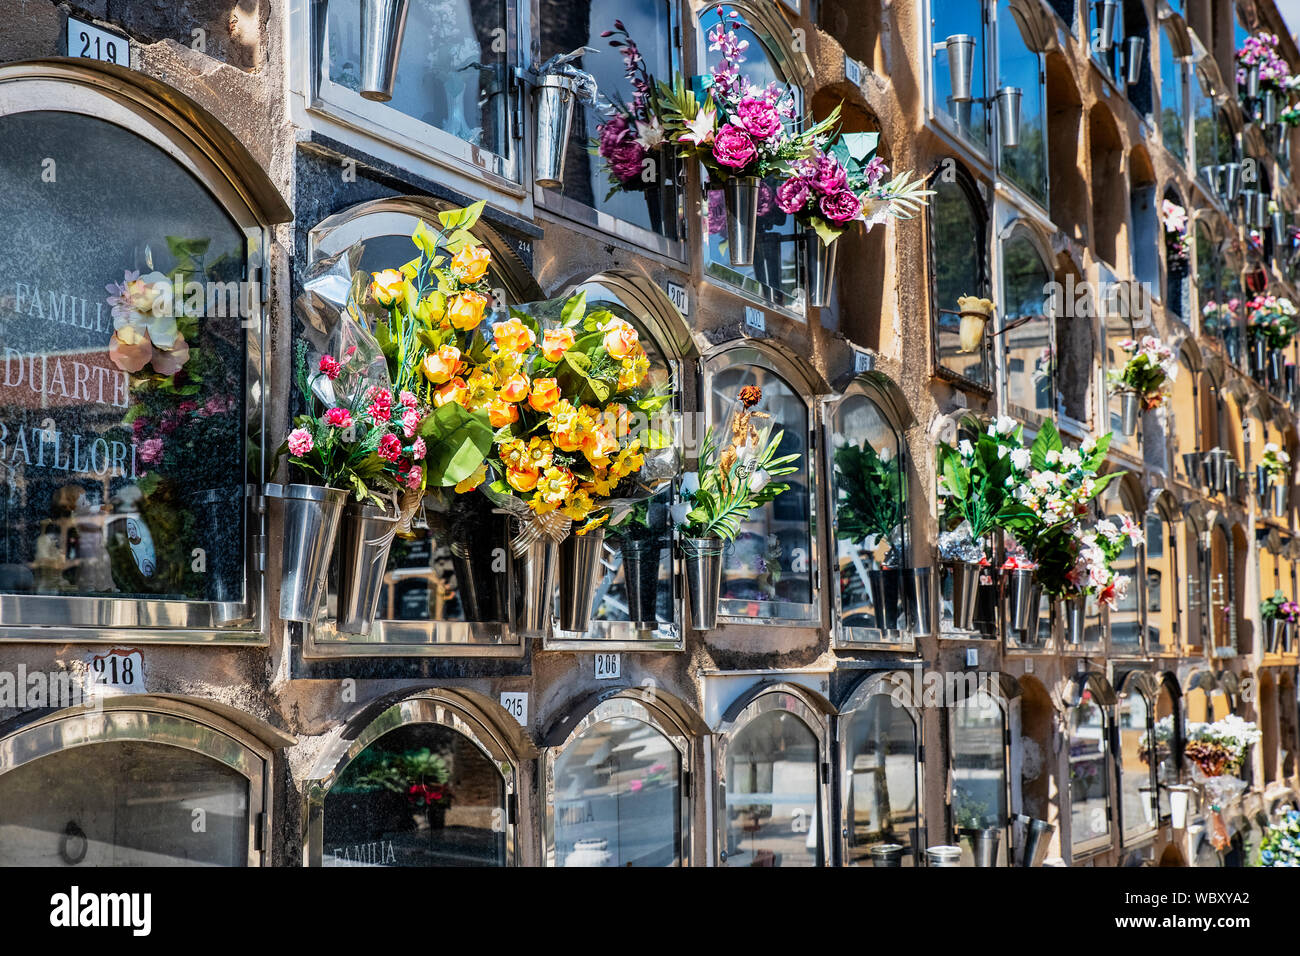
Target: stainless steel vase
383,22
1036,837
1074,612
1024,597
887,855
819,268
961,65
641,562
311,522
703,559
919,585
1276,632
887,596
984,844
741,195
1130,408
365,538
965,593
1279,501
943,856
534,562
556,96
580,568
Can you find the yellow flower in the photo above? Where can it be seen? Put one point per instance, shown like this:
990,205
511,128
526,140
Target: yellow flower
388,286
466,310
552,489
598,444
578,505
555,342
440,366
513,336
481,390
473,481
539,454
620,338
602,485
453,391
502,413
522,479
546,392
515,388
514,453
593,524
629,460
632,371
471,263
567,426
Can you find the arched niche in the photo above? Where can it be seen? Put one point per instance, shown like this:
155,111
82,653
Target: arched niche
874,592
772,802
881,771
1038,747
426,779
1123,501
1087,701
979,769
1106,150
1139,752
1169,737
1025,322
957,223
784,534
616,775
76,783
170,196
1068,189
1145,229
1160,591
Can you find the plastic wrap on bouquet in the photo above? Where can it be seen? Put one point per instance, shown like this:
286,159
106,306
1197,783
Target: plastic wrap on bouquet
331,283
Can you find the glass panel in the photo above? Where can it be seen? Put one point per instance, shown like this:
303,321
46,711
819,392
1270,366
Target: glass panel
1089,775
1221,617
453,70
870,516
774,274
1203,122
1029,354
1172,126
568,25
121,420
618,797
420,795
951,19
1111,60
1126,617
766,569
773,815
1162,610
123,804
1135,764
1193,576
1018,66
979,774
958,271
1166,756
882,773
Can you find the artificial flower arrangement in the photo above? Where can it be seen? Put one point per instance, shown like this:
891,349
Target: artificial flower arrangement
975,313
1289,115
1272,319
872,498
1260,51
1279,607
1281,843
1219,748
846,183
1220,317
1173,218
1150,367
739,130
975,481
1047,512
390,409
633,133
1276,463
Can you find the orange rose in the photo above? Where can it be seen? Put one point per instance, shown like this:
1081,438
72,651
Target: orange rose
466,310
388,286
598,445
522,479
620,338
555,342
515,389
546,392
513,336
502,413
471,263
454,391
440,366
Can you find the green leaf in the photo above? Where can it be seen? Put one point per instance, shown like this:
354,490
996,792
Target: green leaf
654,439
571,373
425,238
458,441
574,309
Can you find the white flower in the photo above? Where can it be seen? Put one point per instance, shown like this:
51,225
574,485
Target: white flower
1053,456
1108,530
651,134
1005,424
965,448
1089,445
1070,457
1002,451
1020,459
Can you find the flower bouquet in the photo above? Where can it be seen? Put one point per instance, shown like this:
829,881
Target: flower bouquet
1178,249
580,434
1217,752
1142,383
974,480
836,187
731,481
1271,325
869,514
1281,843
1262,75
1053,487
740,132
1279,615
1220,318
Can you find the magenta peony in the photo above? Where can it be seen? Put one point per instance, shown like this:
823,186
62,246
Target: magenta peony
792,195
841,208
733,148
758,118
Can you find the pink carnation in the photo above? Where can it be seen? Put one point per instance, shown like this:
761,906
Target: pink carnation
410,422
300,442
390,448
408,400
381,408
419,449
330,367
151,451
413,477
338,418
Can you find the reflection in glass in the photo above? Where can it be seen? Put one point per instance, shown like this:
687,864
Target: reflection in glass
1126,616
1089,777
122,402
870,494
1166,745
768,565
123,804
420,795
567,26
882,775
1135,754
958,230
774,274
1173,129
979,774
1160,581
618,797
773,814
951,19
1020,67
1030,360
453,71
